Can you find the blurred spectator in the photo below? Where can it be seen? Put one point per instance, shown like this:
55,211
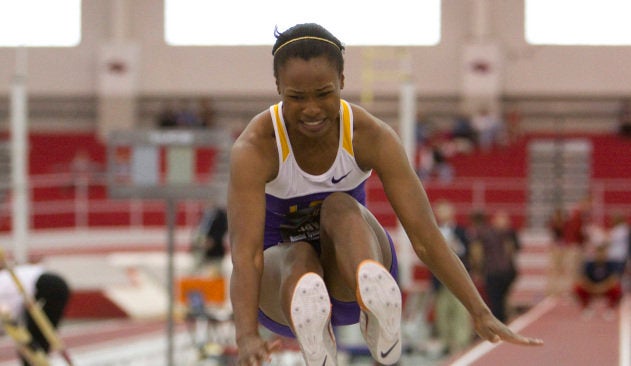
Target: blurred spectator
425,162
46,288
559,272
487,126
83,169
208,242
463,133
423,129
83,166
442,167
493,248
598,279
575,238
453,324
513,120
619,242
624,119
167,117
434,163
188,116
207,112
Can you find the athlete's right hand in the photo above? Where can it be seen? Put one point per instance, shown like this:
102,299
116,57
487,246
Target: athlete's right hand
254,351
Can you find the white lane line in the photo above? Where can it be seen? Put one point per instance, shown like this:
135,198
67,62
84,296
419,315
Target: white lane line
625,331
516,326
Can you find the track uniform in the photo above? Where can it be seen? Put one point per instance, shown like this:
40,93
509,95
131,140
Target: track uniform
294,197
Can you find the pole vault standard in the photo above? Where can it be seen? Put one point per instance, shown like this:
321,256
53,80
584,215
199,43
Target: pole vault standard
392,68
19,154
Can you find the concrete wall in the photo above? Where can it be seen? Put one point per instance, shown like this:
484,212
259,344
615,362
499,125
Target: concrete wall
529,70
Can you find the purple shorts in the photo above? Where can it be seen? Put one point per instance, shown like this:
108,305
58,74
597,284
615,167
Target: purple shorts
342,312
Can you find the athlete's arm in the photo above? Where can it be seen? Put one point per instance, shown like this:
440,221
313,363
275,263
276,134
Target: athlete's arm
378,147
249,169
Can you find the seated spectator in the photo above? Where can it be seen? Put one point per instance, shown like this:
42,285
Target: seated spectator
487,126
624,119
188,116
513,118
463,133
167,118
598,279
424,129
434,163
207,112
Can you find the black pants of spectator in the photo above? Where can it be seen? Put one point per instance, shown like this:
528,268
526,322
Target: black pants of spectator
52,292
497,287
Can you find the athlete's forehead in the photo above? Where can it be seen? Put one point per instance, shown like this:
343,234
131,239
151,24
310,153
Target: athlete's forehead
317,89
314,74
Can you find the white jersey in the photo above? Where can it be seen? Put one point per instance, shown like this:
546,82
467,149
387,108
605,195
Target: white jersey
294,192
10,297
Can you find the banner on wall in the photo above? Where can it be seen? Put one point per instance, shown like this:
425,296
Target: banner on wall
482,70
118,69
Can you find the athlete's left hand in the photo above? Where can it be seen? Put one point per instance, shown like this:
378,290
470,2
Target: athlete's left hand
491,329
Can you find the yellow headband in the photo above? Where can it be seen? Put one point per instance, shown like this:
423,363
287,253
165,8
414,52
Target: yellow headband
305,37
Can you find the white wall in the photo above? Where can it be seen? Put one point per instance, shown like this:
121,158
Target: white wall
529,70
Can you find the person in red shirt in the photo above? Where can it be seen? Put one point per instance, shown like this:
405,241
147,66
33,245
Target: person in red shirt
599,278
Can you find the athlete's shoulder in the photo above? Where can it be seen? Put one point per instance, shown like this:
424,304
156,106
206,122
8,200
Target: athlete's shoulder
256,144
259,129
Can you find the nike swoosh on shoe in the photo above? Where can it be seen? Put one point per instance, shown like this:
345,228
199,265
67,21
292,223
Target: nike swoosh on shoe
387,352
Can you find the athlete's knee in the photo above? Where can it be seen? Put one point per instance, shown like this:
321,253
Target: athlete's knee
337,205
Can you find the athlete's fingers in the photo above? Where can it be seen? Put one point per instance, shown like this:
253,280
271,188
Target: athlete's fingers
273,346
519,339
511,337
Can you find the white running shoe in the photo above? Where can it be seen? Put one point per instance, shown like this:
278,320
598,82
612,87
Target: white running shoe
311,319
379,298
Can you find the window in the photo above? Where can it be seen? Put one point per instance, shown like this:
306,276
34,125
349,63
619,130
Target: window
252,22
578,22
40,23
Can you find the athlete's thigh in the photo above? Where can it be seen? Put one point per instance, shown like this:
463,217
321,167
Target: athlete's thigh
344,288
282,263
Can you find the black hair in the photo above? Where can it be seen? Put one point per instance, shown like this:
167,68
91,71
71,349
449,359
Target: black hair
306,41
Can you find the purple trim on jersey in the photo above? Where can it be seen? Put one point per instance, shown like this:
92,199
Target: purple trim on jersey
276,209
342,312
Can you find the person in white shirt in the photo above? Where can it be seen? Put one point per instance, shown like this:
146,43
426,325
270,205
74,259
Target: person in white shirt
49,289
619,242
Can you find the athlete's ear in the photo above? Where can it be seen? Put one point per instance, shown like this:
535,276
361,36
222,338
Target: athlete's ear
341,81
277,87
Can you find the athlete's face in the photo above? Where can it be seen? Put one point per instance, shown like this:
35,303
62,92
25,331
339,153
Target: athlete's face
310,91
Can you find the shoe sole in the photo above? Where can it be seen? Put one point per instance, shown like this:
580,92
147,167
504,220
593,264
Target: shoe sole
379,297
310,317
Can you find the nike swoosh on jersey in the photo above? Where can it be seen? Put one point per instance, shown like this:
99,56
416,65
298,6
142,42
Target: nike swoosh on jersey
336,181
385,354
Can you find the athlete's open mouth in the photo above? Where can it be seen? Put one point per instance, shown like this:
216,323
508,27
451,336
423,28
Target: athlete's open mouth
313,123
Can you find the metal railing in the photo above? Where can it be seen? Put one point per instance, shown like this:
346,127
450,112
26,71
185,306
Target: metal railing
78,197
81,197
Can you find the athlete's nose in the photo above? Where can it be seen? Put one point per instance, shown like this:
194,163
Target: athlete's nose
311,110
